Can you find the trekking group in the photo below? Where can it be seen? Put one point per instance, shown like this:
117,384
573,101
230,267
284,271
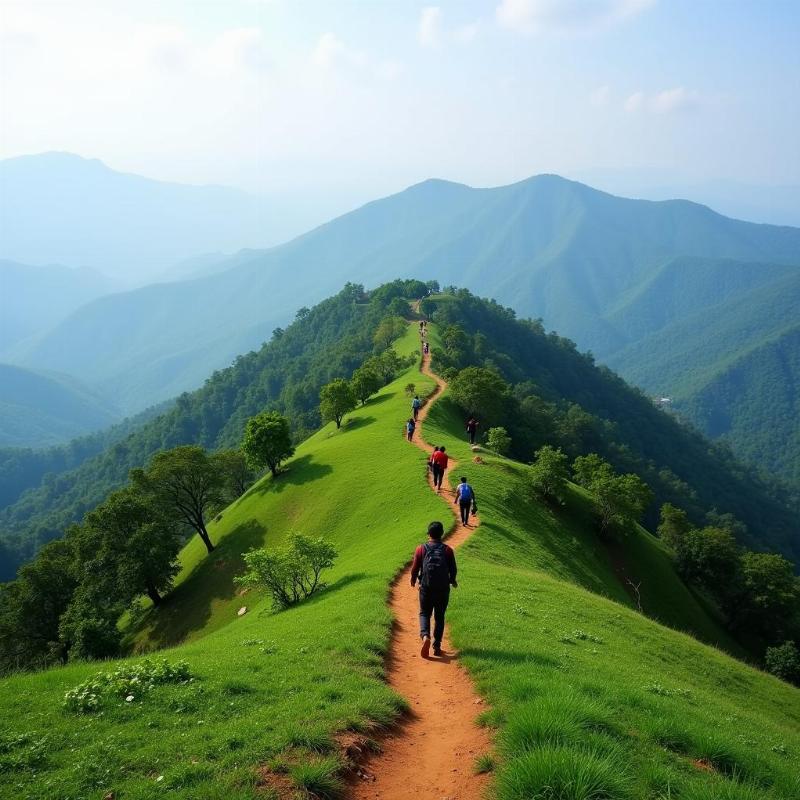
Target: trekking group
434,565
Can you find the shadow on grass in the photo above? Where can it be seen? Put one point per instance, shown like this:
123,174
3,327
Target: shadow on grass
186,609
297,473
354,423
337,586
508,656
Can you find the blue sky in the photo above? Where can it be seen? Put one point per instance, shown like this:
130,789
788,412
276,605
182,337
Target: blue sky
351,100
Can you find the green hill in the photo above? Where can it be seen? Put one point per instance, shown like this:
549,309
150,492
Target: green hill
573,676
40,410
335,337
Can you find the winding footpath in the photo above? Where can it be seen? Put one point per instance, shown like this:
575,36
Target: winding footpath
431,753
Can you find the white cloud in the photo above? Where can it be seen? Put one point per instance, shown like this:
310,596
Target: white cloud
566,16
331,50
600,96
667,101
389,70
430,22
635,102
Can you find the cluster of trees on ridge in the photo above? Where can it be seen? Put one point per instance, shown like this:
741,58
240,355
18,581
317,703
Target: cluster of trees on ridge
67,602
757,592
285,375
552,394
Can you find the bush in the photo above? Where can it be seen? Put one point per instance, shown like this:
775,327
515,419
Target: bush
548,475
290,573
498,440
784,662
128,682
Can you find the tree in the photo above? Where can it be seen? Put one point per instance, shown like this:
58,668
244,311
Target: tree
127,546
290,573
674,525
498,440
619,499
389,329
771,593
710,557
336,399
237,474
784,662
385,365
549,473
585,468
480,392
365,382
185,483
410,390
267,441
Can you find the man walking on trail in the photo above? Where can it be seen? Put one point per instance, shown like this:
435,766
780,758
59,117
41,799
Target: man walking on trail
472,427
410,426
465,497
440,459
435,567
416,404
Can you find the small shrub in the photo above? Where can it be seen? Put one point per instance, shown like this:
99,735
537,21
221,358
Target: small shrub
290,573
128,682
410,390
319,777
498,440
784,662
484,763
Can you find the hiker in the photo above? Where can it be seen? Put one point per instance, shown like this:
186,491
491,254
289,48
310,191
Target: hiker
427,349
416,404
410,426
432,466
472,427
435,567
440,459
465,497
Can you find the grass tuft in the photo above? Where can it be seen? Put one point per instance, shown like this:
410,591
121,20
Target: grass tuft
319,778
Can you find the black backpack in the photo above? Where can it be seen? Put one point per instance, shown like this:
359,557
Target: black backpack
435,571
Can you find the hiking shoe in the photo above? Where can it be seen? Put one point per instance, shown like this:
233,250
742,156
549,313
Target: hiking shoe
437,650
426,646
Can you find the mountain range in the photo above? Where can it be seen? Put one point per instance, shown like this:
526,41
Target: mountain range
668,293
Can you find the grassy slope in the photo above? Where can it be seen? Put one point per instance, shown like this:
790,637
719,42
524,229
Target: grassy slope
267,682
581,684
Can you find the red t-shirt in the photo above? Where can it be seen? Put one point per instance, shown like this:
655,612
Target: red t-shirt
440,459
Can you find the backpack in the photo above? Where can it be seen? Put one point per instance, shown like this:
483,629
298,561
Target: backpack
416,402
435,571
466,493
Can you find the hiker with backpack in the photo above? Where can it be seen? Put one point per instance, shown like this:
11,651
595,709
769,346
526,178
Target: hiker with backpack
416,404
472,428
410,427
465,497
440,458
434,566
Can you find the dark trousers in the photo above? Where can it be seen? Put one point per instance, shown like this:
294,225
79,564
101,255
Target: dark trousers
464,506
416,412
438,474
471,437
433,601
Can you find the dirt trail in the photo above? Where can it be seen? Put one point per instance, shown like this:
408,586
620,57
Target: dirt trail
432,752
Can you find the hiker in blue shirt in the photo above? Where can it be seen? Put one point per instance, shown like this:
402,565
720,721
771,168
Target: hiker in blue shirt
410,426
465,497
416,404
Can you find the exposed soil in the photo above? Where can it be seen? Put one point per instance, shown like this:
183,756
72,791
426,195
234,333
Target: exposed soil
431,753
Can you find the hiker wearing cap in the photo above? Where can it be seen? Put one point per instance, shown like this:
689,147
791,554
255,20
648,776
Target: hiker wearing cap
440,459
465,497
435,567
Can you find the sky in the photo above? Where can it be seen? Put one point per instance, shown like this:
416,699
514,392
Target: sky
338,101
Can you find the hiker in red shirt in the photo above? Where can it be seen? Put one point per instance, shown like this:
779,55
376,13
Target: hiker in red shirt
440,460
435,567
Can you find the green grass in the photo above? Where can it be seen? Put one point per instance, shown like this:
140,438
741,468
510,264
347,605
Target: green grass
591,699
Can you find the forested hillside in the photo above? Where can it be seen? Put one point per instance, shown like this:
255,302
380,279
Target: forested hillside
285,374
41,410
558,389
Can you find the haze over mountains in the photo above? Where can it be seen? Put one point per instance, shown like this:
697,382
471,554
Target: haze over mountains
671,294
62,208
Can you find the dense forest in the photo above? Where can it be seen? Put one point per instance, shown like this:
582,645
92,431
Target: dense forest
284,375
561,396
